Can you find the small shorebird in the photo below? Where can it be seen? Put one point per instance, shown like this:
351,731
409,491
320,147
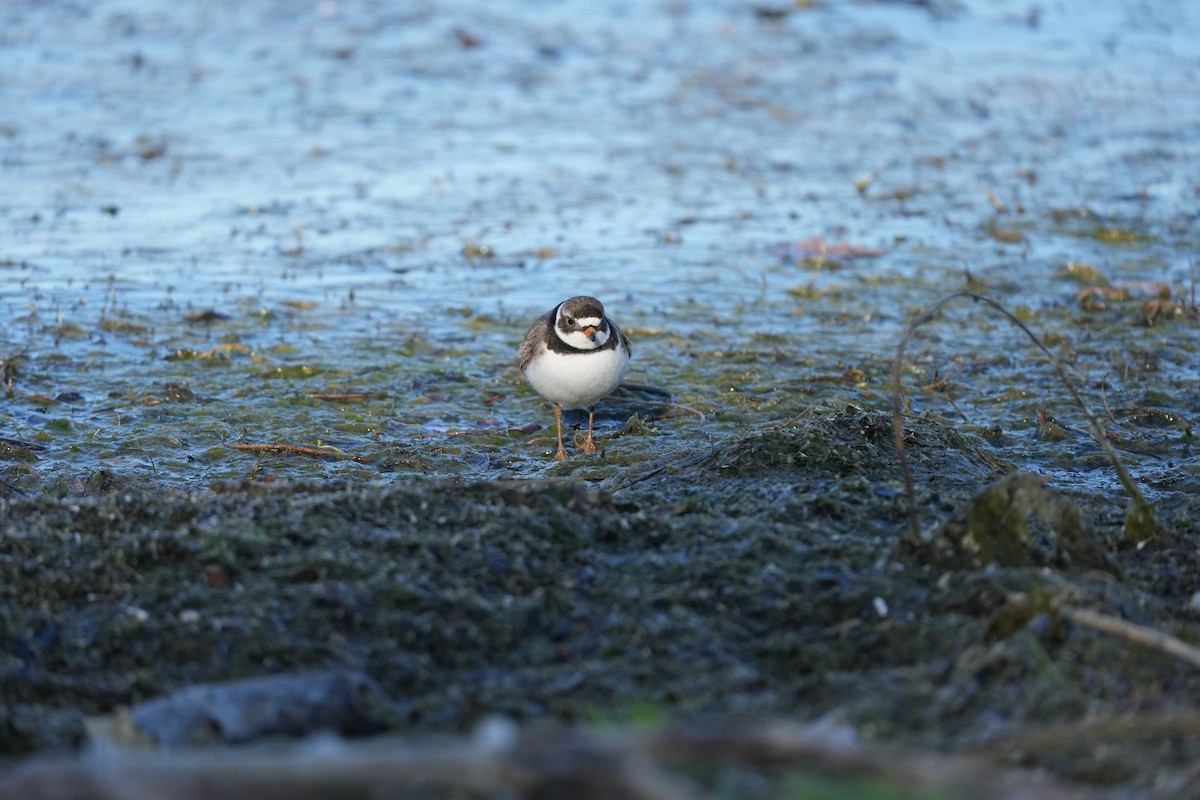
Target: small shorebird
575,356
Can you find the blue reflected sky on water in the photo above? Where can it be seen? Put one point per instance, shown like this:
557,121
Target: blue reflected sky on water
187,156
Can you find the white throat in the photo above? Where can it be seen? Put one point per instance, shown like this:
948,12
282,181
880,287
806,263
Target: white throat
578,339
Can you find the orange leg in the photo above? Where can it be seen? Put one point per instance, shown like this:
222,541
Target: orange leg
589,446
561,455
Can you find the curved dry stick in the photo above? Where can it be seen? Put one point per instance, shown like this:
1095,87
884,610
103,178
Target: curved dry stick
1139,634
315,452
662,403
1140,506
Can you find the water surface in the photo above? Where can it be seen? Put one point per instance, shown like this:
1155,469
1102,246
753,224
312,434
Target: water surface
379,200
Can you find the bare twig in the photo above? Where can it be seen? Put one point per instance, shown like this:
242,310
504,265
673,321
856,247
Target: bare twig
457,432
1104,397
302,773
566,764
689,410
1192,267
316,452
834,750
659,403
339,396
1140,634
953,405
996,202
1072,734
1139,518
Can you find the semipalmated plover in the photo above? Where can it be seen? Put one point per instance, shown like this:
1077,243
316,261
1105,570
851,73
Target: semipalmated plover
574,356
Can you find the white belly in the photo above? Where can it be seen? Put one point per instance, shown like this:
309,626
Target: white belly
577,380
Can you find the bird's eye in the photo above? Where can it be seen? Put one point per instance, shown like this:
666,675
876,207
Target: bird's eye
569,321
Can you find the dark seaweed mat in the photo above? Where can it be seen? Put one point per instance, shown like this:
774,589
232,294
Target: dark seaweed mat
766,575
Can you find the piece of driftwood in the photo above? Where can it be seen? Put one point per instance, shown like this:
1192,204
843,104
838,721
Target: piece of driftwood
295,705
563,765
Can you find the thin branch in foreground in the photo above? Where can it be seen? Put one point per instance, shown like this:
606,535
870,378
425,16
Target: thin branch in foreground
560,764
1140,523
1120,728
1073,734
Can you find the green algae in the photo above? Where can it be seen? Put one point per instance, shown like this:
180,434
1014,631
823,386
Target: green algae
735,562
123,326
1081,273
1118,236
994,528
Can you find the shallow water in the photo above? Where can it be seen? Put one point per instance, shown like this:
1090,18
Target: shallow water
379,201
